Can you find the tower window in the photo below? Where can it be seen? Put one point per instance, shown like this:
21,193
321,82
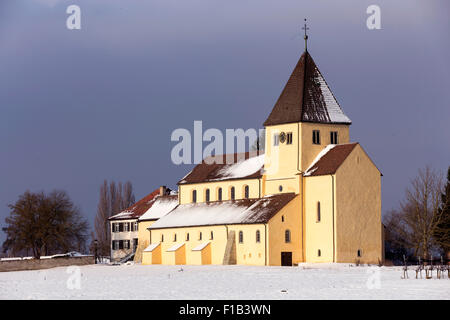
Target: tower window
282,218
333,137
194,195
246,192
200,236
232,194
359,253
175,237
276,139
219,194
241,237
258,236
318,211
287,236
207,195
162,238
187,236
289,138
316,137
212,236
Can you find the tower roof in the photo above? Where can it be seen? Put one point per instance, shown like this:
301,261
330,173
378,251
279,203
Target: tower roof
306,98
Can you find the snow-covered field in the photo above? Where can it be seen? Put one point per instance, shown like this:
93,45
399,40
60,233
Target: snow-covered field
318,281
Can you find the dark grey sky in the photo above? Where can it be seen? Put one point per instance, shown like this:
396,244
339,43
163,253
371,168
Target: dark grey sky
80,106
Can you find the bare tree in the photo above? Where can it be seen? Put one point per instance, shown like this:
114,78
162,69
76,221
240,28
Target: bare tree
102,231
127,195
414,224
113,199
45,224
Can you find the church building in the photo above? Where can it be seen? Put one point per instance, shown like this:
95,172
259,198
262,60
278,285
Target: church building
313,195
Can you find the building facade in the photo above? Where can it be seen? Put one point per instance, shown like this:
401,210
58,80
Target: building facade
124,226
312,196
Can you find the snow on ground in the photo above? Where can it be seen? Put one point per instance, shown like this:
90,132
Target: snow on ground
318,281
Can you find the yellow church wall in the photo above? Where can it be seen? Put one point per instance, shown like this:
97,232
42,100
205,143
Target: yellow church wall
288,218
175,257
358,215
309,151
250,252
200,257
185,190
143,239
288,185
217,244
281,161
152,257
319,233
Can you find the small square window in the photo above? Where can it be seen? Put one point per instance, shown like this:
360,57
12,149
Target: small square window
333,137
289,138
316,137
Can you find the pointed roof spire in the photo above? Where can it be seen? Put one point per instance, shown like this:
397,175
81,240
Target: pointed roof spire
306,36
306,97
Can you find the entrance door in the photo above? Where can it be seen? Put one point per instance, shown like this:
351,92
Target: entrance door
286,259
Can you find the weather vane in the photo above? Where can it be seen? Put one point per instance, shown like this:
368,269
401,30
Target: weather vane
306,36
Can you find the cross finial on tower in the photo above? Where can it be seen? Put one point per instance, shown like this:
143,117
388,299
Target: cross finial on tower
306,36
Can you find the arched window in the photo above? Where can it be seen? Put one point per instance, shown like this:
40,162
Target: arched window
162,238
219,194
241,237
175,237
200,236
246,192
212,236
207,195
194,195
287,236
187,236
319,253
318,211
232,194
258,236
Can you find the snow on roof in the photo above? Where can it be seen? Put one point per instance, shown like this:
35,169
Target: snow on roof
331,105
151,247
245,165
161,206
201,246
175,247
311,168
244,211
242,169
330,159
137,209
